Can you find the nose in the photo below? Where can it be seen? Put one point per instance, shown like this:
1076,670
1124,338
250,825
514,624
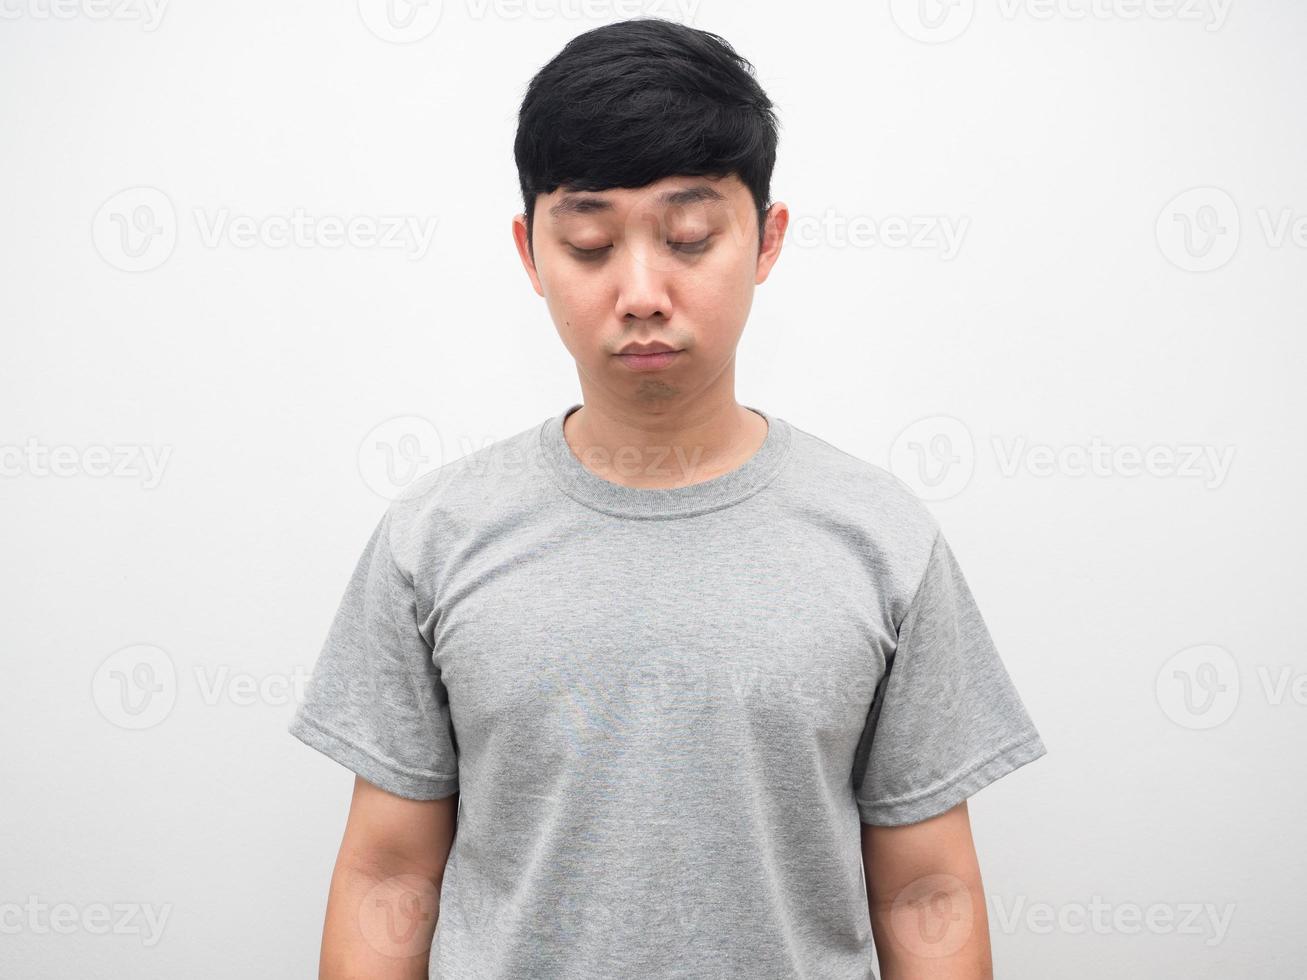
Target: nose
642,287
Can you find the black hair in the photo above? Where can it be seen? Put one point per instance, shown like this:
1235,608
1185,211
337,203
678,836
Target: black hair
632,102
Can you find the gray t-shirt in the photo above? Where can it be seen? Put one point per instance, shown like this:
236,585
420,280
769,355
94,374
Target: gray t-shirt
664,710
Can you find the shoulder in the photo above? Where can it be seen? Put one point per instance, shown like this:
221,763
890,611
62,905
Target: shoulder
462,495
861,489
866,506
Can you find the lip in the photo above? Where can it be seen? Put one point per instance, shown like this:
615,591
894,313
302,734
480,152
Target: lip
655,361
653,347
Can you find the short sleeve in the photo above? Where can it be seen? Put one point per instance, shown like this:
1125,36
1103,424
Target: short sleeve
375,701
945,719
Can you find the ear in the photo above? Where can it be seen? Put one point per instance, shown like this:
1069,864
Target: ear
778,219
524,253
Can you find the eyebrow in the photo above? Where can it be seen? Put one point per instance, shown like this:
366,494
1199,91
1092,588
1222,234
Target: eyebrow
588,204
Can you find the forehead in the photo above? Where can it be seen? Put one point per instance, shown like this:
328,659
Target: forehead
695,192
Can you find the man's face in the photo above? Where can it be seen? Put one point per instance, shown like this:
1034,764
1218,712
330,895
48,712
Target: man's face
672,264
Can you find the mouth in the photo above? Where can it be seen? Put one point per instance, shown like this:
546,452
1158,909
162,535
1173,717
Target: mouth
650,358
653,347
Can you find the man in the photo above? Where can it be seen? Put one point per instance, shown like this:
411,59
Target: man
710,693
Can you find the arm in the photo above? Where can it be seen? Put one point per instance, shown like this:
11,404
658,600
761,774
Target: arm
926,899
385,891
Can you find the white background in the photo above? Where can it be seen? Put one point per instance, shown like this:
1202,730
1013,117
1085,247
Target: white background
1090,301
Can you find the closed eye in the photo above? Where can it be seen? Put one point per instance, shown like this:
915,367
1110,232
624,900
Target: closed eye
589,253
693,248
698,246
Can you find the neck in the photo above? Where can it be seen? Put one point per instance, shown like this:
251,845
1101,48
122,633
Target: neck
663,443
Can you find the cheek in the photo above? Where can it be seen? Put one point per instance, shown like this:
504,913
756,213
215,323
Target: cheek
577,311
564,294
722,289
575,304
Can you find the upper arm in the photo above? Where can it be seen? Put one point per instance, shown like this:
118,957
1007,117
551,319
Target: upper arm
945,719
393,834
926,899
893,858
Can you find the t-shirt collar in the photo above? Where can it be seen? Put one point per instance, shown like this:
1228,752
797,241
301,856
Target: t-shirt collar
618,500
